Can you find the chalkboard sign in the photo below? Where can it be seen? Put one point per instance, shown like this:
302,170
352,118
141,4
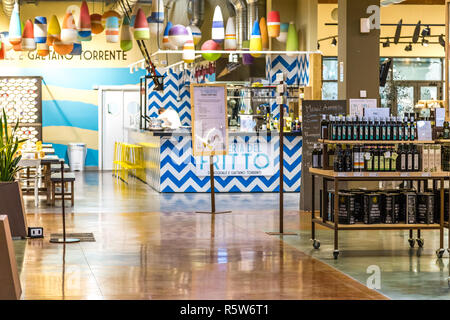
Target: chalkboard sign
312,111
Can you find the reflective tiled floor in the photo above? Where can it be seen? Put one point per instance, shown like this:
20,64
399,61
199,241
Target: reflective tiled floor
152,246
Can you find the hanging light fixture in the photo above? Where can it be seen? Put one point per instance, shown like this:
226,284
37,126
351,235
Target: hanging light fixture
442,40
398,31
334,42
416,33
426,31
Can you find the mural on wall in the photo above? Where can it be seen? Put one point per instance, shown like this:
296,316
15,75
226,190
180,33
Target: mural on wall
69,101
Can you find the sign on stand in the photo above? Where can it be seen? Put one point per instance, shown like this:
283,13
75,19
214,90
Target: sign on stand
209,119
209,126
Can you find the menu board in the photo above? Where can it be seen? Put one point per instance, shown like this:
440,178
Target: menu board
312,111
21,98
209,119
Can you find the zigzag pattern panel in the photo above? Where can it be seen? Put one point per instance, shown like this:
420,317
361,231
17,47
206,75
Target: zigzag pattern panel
303,69
178,169
284,64
169,98
184,108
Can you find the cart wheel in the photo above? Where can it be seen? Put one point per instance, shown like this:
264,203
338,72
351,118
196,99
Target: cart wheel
411,242
335,254
440,253
420,242
316,244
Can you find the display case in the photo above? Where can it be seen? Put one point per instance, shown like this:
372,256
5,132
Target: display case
21,98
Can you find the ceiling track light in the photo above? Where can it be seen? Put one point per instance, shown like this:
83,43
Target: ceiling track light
426,31
408,47
386,44
334,42
425,42
442,40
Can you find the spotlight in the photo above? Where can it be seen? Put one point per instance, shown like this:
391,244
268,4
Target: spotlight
398,31
334,42
426,31
386,44
442,40
408,47
318,45
425,42
416,33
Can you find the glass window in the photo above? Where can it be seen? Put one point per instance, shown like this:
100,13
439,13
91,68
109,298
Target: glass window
330,69
329,91
428,69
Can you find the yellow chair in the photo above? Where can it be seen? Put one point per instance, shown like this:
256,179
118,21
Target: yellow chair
128,158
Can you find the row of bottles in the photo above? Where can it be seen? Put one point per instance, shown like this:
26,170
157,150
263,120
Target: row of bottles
369,129
290,125
406,158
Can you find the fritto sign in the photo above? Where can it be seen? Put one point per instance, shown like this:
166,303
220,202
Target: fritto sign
243,159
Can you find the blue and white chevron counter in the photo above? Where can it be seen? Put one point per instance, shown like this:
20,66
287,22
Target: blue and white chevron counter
252,164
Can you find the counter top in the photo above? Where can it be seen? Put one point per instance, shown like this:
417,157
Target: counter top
187,132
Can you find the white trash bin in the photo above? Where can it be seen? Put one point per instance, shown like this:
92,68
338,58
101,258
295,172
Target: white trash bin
77,156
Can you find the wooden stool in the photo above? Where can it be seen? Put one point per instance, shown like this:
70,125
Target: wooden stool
57,168
56,179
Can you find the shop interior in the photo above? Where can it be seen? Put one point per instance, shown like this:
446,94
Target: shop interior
224,149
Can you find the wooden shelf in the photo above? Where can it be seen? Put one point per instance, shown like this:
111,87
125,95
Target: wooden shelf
378,175
381,226
442,141
368,142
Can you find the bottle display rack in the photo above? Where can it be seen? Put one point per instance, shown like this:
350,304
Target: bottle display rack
329,176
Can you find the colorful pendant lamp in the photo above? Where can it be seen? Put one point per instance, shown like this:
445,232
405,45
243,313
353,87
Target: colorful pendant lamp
230,35
166,43
77,49
247,58
264,34
15,27
178,35
4,36
53,31
2,51
126,40
42,49
40,29
292,39
28,43
96,23
196,33
62,48
273,24
141,31
189,50
210,45
17,47
112,24
156,18
85,23
284,27
218,32
69,33
255,40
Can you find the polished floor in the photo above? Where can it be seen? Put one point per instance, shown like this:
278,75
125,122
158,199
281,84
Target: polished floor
152,246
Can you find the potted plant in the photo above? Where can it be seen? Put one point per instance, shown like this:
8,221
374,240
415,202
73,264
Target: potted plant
11,201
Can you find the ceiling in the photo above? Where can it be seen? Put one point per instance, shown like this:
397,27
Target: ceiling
425,2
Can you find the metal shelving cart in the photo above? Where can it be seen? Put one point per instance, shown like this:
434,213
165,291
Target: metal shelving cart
338,177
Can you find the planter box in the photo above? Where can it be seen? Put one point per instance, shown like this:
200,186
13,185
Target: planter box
11,204
9,276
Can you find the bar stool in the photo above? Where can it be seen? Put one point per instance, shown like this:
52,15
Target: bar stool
56,179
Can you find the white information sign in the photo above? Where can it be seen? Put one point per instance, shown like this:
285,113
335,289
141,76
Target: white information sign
377,112
209,119
357,106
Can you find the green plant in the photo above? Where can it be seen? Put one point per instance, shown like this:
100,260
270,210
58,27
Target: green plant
9,144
